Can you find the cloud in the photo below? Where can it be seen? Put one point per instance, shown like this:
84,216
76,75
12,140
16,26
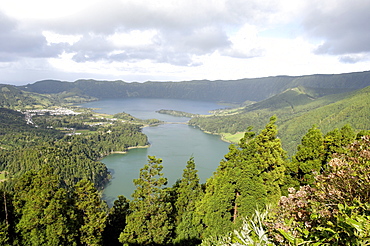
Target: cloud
179,30
343,26
354,58
17,42
170,46
116,15
245,43
183,38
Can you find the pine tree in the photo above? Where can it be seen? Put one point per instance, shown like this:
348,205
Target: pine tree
7,217
116,221
271,160
250,177
336,141
45,211
189,192
234,191
149,222
308,161
92,213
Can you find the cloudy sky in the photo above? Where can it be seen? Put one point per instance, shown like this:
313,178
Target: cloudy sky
175,40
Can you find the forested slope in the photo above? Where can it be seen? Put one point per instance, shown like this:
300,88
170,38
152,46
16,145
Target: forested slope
235,91
297,112
318,196
73,157
353,109
326,188
13,98
15,133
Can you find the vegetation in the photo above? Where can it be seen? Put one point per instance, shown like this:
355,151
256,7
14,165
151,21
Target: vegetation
334,210
149,221
45,204
15,98
297,112
51,176
72,157
234,91
187,194
176,113
250,176
127,117
329,101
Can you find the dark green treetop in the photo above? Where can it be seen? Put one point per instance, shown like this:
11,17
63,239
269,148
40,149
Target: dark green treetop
308,161
92,213
336,141
149,222
270,159
250,176
189,192
116,221
46,214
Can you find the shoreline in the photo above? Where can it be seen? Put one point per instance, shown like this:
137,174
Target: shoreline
133,147
218,134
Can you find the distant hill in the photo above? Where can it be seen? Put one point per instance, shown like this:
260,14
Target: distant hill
329,101
232,91
14,97
297,111
349,108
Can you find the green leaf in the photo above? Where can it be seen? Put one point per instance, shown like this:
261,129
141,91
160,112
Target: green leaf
287,235
357,225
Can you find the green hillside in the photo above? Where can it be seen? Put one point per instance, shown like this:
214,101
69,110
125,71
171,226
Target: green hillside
13,97
353,109
298,101
232,91
15,133
297,112
50,180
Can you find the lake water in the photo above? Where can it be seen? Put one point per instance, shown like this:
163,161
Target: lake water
173,143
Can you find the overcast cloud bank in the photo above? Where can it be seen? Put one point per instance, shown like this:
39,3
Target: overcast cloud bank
181,40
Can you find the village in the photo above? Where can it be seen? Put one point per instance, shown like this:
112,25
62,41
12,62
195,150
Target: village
58,111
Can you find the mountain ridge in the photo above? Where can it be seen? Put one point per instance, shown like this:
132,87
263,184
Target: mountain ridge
232,91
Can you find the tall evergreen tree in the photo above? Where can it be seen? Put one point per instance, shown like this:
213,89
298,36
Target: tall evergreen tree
149,222
336,141
7,217
250,176
116,221
189,192
46,216
271,160
92,213
309,158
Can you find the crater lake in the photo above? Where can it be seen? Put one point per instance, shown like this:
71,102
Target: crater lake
174,143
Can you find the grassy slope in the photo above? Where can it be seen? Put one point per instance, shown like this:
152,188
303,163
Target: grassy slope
297,112
352,109
14,98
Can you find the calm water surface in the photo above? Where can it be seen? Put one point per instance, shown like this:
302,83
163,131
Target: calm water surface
173,143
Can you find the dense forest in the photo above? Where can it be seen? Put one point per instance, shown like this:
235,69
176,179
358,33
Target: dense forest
257,196
297,111
306,184
72,157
